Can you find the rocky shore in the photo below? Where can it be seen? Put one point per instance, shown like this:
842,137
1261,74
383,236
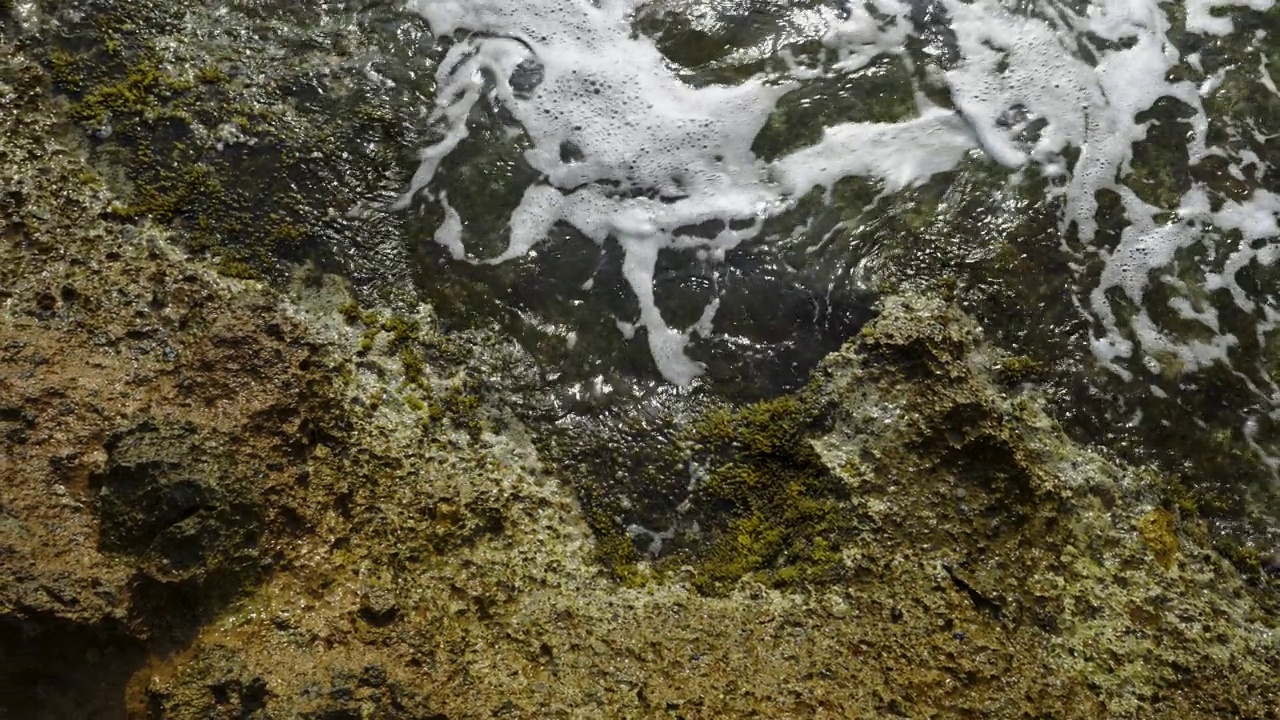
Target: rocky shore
237,482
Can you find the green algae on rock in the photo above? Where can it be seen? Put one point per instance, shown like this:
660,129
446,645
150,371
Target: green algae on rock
769,507
1037,515
931,471
975,537
225,138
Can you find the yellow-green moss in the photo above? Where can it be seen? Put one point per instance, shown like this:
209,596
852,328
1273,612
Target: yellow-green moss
142,90
1159,532
1173,495
460,404
344,372
1244,558
767,428
118,85
405,341
211,75
173,193
614,550
350,311
1020,368
239,269
403,330
780,514
1172,366
412,364
64,67
768,507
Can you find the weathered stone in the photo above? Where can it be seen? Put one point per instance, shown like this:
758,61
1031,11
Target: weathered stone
222,499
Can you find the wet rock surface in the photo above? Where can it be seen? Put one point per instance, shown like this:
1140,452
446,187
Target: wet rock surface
221,497
152,410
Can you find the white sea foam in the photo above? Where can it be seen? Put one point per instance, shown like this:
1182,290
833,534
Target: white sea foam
650,153
626,149
1201,17
900,154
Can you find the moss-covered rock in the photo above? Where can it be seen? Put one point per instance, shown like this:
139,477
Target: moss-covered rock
225,138
1022,519
768,506
908,462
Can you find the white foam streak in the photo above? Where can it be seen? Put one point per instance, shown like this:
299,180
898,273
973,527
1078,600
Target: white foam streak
1255,220
449,234
1086,92
460,78
900,154
861,37
666,345
628,151
1017,62
1201,18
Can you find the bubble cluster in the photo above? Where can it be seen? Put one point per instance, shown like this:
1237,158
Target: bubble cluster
626,150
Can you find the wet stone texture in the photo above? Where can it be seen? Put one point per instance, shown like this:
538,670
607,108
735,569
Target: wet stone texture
223,497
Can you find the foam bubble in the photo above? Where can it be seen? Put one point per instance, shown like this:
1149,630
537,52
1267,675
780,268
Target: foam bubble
1201,18
650,153
627,149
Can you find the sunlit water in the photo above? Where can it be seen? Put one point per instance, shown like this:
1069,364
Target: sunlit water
1157,164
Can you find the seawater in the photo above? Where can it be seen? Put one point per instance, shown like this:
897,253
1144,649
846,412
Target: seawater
623,146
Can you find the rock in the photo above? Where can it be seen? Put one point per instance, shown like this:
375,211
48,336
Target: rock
1050,587
150,411
224,499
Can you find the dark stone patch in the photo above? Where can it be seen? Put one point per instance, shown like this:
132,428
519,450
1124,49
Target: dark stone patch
53,667
189,521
